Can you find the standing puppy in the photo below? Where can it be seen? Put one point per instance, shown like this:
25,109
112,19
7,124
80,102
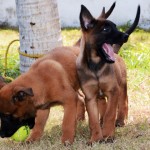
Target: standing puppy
102,73
80,104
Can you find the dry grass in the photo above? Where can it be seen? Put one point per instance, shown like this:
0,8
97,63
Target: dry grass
135,135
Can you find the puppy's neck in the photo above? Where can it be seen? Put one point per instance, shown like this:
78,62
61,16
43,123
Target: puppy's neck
88,56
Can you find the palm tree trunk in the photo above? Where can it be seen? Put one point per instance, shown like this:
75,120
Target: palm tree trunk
39,29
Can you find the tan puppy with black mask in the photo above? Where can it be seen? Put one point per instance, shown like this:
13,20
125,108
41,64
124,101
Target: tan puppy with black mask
102,74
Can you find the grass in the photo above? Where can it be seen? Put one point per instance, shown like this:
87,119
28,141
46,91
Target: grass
6,36
134,136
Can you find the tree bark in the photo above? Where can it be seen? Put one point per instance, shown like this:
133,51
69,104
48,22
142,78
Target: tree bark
39,29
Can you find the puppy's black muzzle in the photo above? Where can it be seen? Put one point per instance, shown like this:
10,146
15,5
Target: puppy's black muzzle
9,125
120,37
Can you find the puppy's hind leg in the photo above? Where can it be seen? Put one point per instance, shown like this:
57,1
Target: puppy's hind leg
122,108
80,106
69,119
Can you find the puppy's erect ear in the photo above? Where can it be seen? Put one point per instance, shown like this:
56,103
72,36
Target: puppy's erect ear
20,94
108,13
86,19
102,14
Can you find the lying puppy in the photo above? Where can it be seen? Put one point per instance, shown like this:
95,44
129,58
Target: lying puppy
102,74
9,124
51,80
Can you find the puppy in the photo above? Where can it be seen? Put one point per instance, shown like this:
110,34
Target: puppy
102,74
51,80
80,103
116,47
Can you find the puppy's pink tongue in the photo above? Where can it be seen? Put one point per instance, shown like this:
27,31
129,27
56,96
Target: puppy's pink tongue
109,51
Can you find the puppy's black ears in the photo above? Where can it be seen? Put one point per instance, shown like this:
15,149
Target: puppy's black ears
21,94
87,21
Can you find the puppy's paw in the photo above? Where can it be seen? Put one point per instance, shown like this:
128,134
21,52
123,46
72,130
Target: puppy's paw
109,140
67,143
35,136
91,143
80,117
120,123
67,140
93,140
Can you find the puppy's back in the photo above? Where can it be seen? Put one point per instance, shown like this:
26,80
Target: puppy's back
66,58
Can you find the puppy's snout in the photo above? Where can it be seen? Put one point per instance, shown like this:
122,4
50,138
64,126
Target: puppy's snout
125,37
2,135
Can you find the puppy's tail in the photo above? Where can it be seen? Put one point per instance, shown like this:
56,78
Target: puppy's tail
136,21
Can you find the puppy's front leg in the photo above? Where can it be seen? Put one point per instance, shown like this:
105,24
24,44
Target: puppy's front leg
110,115
92,109
102,106
40,121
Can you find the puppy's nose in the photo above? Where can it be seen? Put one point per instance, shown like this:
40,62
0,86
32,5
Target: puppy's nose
125,37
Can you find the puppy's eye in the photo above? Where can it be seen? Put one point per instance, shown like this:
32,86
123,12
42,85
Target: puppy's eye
106,29
14,99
